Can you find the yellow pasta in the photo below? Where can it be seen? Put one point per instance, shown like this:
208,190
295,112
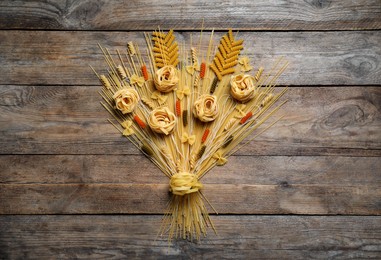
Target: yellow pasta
194,57
227,55
230,124
230,35
222,51
267,99
165,49
131,48
105,82
148,102
232,54
238,42
217,62
158,34
196,81
230,64
170,40
121,72
258,74
227,71
190,118
237,48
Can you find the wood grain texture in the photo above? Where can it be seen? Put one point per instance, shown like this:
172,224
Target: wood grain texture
309,188
316,58
219,14
239,237
135,169
119,184
70,120
152,199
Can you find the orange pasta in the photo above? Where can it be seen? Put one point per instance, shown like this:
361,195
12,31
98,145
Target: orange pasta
205,135
145,72
168,103
139,121
246,117
178,108
202,70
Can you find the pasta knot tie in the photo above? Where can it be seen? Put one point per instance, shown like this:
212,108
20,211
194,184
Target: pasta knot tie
183,183
245,64
188,138
240,109
135,79
128,130
220,159
156,95
181,92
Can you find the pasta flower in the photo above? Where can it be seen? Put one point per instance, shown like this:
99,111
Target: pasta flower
206,108
162,120
126,100
242,87
166,78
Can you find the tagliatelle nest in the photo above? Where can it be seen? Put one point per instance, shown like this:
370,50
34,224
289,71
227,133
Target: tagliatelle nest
188,111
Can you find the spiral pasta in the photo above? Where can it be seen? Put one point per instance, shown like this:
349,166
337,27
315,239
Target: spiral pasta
131,48
121,72
267,99
148,102
194,57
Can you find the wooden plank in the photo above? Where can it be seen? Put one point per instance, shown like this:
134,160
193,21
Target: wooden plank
239,237
226,199
318,121
148,15
135,169
316,58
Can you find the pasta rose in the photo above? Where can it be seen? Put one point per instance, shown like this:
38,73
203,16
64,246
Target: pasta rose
126,100
206,108
162,120
166,78
242,87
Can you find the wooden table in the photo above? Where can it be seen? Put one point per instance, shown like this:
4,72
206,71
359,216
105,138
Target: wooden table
71,187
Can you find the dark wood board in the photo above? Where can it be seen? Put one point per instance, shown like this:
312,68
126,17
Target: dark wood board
153,198
239,237
255,185
316,58
318,121
309,188
189,15
135,169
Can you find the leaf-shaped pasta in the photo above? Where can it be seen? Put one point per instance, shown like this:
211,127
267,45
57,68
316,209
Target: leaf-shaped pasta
227,56
165,48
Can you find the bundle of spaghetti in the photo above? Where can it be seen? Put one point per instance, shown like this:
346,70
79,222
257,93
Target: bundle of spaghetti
187,110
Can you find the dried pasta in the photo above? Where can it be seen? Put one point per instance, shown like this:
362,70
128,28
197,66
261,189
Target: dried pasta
190,119
205,108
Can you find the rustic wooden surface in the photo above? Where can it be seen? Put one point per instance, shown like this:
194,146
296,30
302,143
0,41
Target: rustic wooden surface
70,187
220,14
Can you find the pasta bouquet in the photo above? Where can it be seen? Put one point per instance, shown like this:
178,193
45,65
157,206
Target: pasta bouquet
188,110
